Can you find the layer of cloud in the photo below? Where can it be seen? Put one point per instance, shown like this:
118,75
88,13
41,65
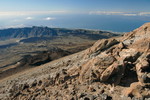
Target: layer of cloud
29,18
49,18
144,13
120,13
23,13
13,26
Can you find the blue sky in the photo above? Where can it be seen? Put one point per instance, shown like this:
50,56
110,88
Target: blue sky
26,12
75,5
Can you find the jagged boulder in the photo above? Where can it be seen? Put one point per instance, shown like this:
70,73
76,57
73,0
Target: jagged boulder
100,46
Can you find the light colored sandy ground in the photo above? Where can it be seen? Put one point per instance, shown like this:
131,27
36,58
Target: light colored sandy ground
4,42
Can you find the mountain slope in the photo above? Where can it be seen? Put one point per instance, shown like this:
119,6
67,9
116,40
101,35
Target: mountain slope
20,42
116,68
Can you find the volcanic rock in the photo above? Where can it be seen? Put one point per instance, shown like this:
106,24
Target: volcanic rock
116,68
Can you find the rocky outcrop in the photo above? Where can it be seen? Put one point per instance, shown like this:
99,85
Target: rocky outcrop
113,59
100,46
130,53
43,57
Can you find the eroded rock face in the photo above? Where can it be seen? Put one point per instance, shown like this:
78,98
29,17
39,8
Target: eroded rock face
130,53
143,69
116,68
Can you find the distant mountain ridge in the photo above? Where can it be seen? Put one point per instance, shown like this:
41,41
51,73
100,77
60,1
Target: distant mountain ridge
35,31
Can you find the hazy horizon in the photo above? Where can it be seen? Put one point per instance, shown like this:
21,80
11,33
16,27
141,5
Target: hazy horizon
116,15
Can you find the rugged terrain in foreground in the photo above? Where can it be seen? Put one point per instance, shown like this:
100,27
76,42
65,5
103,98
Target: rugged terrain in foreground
116,68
